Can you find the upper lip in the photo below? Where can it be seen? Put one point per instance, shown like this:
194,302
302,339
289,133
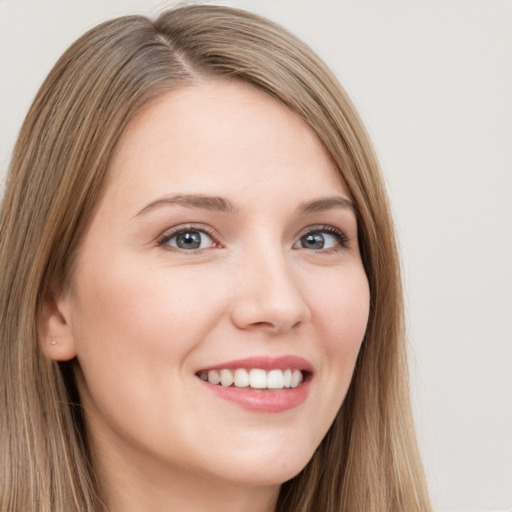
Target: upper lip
265,363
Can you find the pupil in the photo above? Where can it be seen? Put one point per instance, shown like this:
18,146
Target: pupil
313,241
189,240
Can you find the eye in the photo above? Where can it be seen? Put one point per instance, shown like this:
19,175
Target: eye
321,239
188,239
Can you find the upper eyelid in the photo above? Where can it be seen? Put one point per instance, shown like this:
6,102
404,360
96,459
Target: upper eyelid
211,232
343,238
322,227
172,232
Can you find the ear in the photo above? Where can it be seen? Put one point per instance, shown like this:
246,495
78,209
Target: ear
56,338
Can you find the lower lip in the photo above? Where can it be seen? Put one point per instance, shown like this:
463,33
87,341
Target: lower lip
262,400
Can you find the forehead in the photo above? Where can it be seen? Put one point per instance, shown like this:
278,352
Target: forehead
217,137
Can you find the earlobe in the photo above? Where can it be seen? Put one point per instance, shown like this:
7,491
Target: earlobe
56,338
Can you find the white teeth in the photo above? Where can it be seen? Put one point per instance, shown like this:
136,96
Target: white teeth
287,378
258,378
275,379
241,378
213,377
296,378
255,378
226,378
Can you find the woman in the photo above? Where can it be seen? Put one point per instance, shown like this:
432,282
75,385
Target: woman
200,292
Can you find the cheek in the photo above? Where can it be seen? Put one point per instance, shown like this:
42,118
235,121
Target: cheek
143,307
134,334
341,303
138,327
341,308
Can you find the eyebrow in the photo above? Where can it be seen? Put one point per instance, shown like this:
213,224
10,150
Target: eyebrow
326,203
211,203
220,204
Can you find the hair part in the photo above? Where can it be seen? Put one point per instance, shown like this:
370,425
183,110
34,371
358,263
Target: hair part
369,460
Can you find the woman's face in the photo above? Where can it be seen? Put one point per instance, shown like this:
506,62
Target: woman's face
224,243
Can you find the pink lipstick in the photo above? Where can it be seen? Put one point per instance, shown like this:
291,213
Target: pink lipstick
261,384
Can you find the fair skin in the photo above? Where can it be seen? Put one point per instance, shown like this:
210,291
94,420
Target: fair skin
223,233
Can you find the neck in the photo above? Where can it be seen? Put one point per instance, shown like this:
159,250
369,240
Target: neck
131,484
190,494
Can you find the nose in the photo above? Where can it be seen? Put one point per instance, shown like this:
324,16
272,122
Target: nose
268,295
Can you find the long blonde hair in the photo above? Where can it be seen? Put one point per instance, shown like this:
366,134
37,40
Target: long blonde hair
369,460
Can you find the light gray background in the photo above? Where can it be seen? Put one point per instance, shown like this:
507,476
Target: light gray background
433,82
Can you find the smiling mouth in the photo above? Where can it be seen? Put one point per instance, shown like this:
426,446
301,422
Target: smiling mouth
254,378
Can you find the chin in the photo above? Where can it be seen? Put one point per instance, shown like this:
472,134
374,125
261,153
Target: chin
266,469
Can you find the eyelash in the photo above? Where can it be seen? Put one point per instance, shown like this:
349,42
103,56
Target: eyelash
339,235
169,235
341,238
